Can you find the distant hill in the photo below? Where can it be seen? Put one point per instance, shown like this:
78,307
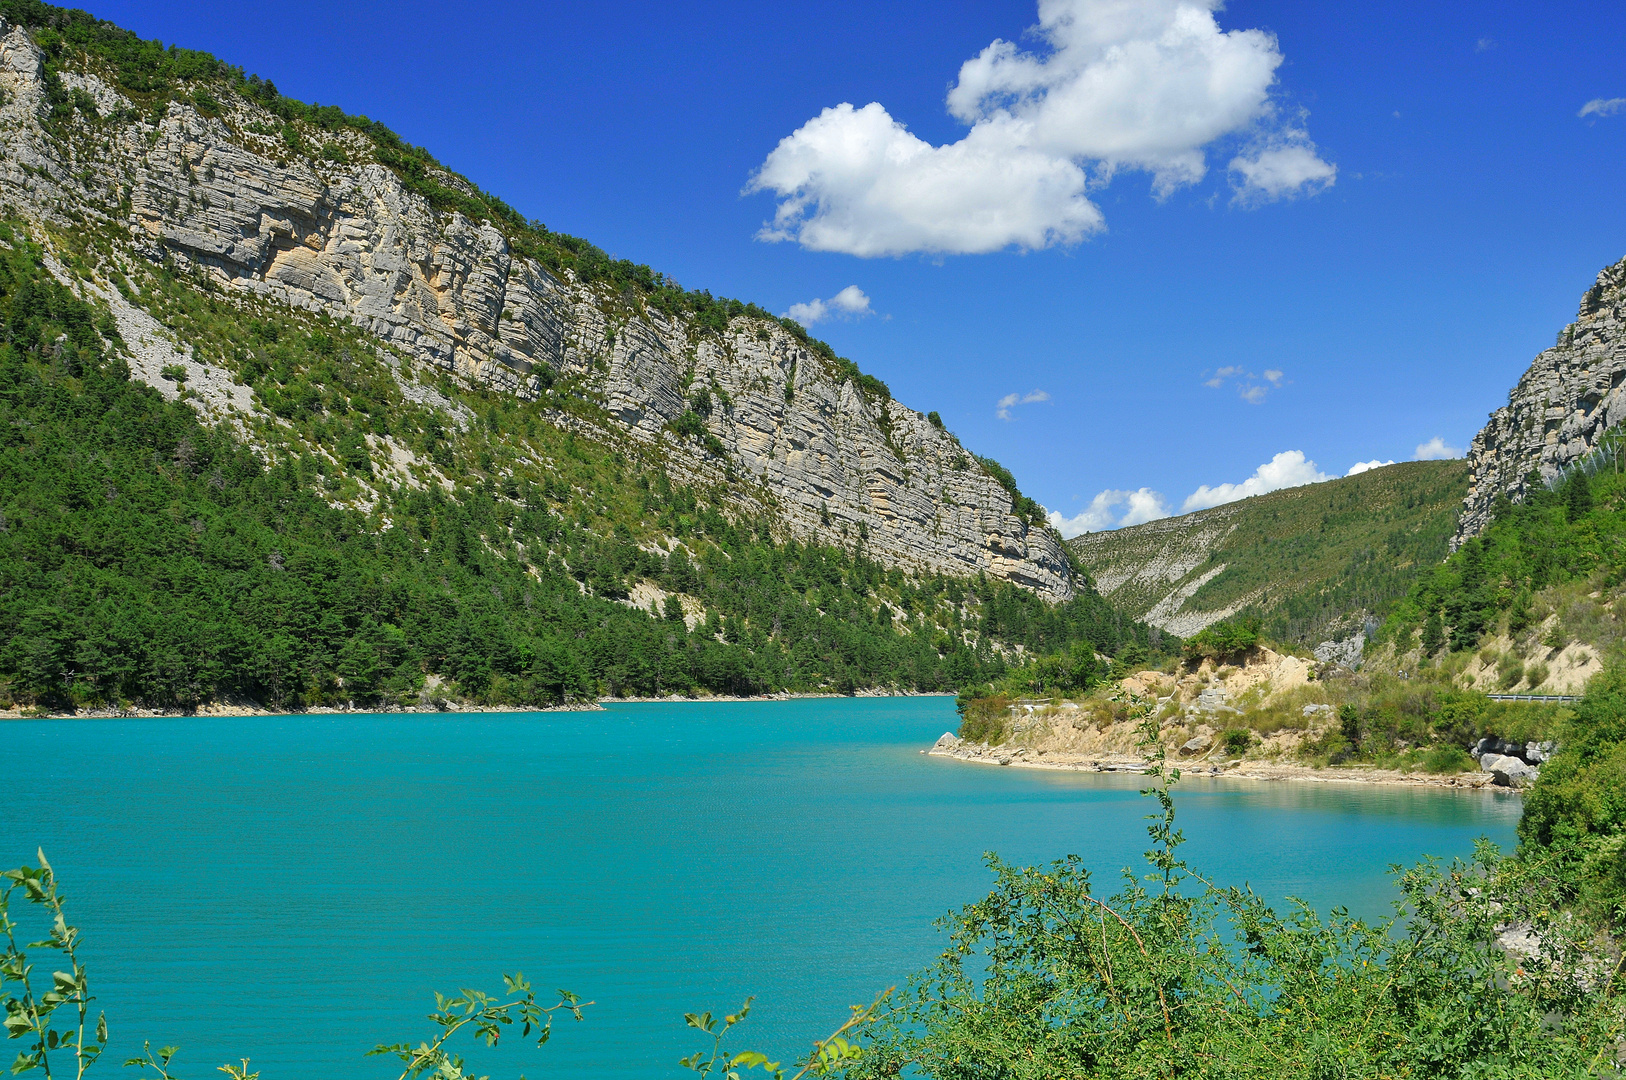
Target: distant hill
1309,561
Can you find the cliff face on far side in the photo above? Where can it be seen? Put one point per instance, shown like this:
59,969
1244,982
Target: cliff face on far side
1559,410
260,205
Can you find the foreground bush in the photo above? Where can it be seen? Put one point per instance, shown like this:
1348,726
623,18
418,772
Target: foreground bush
1175,976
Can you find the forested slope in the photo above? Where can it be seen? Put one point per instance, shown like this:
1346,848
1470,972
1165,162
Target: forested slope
146,558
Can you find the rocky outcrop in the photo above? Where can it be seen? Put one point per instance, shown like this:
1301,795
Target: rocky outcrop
230,197
1345,653
1511,764
1560,409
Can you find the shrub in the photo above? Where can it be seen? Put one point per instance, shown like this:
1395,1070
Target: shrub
984,719
1228,639
1447,759
1237,741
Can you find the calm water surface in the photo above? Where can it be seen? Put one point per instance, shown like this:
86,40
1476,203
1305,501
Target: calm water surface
292,889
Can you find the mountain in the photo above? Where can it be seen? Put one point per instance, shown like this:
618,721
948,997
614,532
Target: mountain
171,156
1560,410
290,415
1312,562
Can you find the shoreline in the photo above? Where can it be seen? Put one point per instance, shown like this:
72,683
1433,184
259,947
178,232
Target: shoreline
1269,772
228,709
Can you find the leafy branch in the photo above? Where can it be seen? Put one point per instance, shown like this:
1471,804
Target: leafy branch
488,1015
830,1053
32,1017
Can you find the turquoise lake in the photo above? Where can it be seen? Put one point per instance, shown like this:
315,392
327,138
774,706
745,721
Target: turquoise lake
293,889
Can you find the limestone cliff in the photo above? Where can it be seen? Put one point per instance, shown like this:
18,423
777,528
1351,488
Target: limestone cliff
220,186
1561,407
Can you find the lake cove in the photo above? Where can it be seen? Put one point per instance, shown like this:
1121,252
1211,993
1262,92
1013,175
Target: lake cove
294,888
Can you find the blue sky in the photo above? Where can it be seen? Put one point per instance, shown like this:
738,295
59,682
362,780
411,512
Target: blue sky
1300,237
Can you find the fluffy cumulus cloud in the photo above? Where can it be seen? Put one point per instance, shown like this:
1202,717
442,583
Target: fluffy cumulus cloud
1288,166
1287,469
1603,107
1113,510
849,303
1010,401
1367,466
1436,450
1116,84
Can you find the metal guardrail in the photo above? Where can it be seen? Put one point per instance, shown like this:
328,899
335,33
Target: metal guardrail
1538,698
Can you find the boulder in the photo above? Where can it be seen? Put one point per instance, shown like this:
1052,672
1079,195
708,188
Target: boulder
1503,748
1508,771
945,743
1197,744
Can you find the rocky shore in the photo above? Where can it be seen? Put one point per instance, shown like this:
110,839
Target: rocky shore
1021,757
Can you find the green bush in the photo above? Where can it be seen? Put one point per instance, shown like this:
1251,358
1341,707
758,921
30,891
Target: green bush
1173,975
1228,639
984,719
1237,741
1447,759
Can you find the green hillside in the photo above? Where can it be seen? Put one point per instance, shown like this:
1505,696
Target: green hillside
148,560
1306,561
1546,573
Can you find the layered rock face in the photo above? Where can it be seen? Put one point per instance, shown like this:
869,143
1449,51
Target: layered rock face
334,232
1559,410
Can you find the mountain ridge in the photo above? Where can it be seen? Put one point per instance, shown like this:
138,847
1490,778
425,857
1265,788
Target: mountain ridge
328,213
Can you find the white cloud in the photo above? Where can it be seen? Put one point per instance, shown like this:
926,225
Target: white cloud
849,303
1485,44
1003,409
1103,512
1287,167
1287,469
1603,106
1248,386
1436,450
1117,85
1366,466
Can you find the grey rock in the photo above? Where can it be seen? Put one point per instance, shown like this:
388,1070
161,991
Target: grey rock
1313,710
1346,653
945,743
1211,699
1538,752
1563,404
1508,771
834,464
1197,744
